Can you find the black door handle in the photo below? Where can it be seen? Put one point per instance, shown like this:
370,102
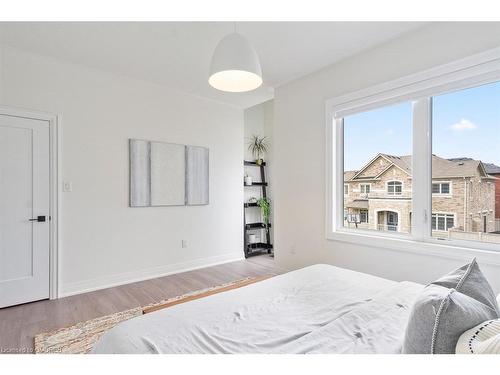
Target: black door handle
38,218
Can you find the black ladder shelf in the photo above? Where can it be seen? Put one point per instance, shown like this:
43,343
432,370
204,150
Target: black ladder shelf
259,247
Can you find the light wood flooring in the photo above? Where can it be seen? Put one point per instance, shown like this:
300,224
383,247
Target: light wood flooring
19,324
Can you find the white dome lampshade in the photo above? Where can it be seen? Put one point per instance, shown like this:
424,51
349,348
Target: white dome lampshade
235,65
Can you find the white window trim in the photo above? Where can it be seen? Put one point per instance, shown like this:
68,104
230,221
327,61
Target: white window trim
365,184
394,194
446,214
443,194
472,71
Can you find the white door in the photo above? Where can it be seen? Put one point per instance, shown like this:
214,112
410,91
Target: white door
24,210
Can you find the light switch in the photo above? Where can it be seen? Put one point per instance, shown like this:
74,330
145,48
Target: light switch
67,187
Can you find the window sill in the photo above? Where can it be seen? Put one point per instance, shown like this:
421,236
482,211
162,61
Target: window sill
484,252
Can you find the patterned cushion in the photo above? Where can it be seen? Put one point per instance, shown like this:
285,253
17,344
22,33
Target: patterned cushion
482,339
448,307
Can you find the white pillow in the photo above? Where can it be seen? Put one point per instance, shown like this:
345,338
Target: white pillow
482,339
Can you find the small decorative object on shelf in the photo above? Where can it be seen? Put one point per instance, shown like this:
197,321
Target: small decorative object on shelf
252,238
248,180
254,246
258,146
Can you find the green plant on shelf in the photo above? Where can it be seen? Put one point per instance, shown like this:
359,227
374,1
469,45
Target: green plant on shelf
265,208
258,146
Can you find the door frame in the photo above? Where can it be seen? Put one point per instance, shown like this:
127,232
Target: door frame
55,186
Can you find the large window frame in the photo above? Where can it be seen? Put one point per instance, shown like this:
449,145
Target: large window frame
418,88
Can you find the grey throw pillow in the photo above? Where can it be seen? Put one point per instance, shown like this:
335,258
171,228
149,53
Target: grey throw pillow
447,308
470,281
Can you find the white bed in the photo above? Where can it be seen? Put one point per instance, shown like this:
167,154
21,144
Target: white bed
317,309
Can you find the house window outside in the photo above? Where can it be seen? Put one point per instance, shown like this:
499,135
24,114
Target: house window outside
363,216
465,133
346,189
364,188
441,188
442,222
392,221
394,188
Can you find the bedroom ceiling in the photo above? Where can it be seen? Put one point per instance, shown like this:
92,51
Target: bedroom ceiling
177,54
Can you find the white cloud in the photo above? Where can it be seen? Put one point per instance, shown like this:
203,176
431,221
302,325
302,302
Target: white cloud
389,132
462,125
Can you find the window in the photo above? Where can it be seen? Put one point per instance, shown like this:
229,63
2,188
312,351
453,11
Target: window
363,216
466,138
394,188
425,148
364,188
346,189
392,221
442,222
442,188
377,155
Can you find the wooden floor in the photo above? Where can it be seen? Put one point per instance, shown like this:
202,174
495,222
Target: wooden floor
19,324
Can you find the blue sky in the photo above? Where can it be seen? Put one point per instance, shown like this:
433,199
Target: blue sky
466,123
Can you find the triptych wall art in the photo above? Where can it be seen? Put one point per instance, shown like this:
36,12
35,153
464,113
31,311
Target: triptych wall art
168,174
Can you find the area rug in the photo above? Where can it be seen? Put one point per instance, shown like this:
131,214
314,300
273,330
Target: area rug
81,337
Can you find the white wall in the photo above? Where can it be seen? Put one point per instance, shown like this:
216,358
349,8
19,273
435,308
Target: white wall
253,124
103,241
299,150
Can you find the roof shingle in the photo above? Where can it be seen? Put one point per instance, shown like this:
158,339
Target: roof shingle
441,168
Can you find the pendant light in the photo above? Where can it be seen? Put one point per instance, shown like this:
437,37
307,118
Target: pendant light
235,65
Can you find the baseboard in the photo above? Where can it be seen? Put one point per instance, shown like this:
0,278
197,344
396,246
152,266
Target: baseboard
104,282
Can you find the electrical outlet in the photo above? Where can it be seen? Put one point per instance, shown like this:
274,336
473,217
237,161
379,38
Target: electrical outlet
184,244
293,249
67,186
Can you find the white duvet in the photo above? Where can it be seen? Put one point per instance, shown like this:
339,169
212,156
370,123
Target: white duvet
317,309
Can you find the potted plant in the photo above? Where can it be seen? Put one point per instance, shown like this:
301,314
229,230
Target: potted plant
265,208
258,146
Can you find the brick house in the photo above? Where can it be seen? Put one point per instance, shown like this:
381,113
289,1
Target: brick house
494,170
378,196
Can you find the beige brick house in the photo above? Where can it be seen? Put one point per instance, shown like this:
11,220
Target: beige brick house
378,196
